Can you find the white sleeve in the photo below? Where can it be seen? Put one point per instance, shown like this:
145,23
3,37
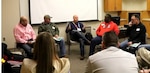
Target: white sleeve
88,67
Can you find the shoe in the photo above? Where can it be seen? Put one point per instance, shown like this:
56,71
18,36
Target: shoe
81,58
64,56
88,42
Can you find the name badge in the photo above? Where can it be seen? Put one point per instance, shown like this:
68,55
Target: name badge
79,29
53,27
137,29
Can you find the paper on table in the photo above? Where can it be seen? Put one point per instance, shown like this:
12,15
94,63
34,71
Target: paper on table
15,63
135,44
58,38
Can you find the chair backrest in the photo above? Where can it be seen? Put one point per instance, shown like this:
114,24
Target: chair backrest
88,29
68,39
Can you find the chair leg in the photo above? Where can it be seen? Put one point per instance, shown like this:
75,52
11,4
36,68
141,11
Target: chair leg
69,49
57,47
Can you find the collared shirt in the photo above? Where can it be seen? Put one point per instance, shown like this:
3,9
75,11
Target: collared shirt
75,26
22,33
105,27
51,28
112,60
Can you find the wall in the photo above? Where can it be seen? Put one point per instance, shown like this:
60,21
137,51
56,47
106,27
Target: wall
134,5
12,10
10,17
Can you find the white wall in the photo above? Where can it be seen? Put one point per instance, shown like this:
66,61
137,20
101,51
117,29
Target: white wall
24,11
24,8
11,12
134,5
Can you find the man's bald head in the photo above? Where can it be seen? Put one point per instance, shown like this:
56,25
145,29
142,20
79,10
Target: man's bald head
23,21
75,18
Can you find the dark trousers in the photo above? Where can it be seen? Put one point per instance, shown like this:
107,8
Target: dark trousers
81,41
80,37
95,41
27,48
75,35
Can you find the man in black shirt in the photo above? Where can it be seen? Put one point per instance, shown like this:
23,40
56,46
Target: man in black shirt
136,32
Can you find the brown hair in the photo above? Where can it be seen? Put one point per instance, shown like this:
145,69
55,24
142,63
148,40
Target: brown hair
110,39
44,53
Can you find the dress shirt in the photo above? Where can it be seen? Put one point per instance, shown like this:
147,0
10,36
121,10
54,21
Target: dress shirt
24,33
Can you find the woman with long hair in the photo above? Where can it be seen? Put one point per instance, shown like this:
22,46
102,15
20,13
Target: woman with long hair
45,58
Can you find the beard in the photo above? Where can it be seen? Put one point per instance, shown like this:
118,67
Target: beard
107,21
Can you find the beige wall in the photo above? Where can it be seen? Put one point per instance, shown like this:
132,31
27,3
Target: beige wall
10,17
12,10
134,5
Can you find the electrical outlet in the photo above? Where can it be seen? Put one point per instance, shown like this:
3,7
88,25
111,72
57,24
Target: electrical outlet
3,38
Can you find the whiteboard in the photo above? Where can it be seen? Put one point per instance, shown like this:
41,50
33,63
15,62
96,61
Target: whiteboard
63,10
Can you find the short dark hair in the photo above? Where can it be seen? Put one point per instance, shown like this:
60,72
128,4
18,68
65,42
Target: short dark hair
47,16
110,39
108,15
136,16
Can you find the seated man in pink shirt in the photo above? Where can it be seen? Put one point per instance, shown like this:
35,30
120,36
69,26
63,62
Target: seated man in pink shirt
106,26
24,36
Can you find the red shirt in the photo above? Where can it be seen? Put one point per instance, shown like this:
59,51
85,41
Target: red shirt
105,27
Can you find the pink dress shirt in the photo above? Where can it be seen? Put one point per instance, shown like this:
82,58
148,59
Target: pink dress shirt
23,33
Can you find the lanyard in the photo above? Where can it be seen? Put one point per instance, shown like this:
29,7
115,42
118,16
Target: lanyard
76,25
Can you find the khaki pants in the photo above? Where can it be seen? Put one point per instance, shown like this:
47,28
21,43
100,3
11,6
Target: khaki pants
143,57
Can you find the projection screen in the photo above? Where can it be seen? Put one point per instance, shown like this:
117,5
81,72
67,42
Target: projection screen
63,10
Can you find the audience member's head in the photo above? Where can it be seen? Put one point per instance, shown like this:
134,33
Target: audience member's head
47,19
75,18
135,19
107,18
23,21
109,39
44,53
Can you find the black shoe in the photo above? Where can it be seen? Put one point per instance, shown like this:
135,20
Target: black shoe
89,42
65,56
81,58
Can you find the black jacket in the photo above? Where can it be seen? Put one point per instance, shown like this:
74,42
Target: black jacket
137,33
